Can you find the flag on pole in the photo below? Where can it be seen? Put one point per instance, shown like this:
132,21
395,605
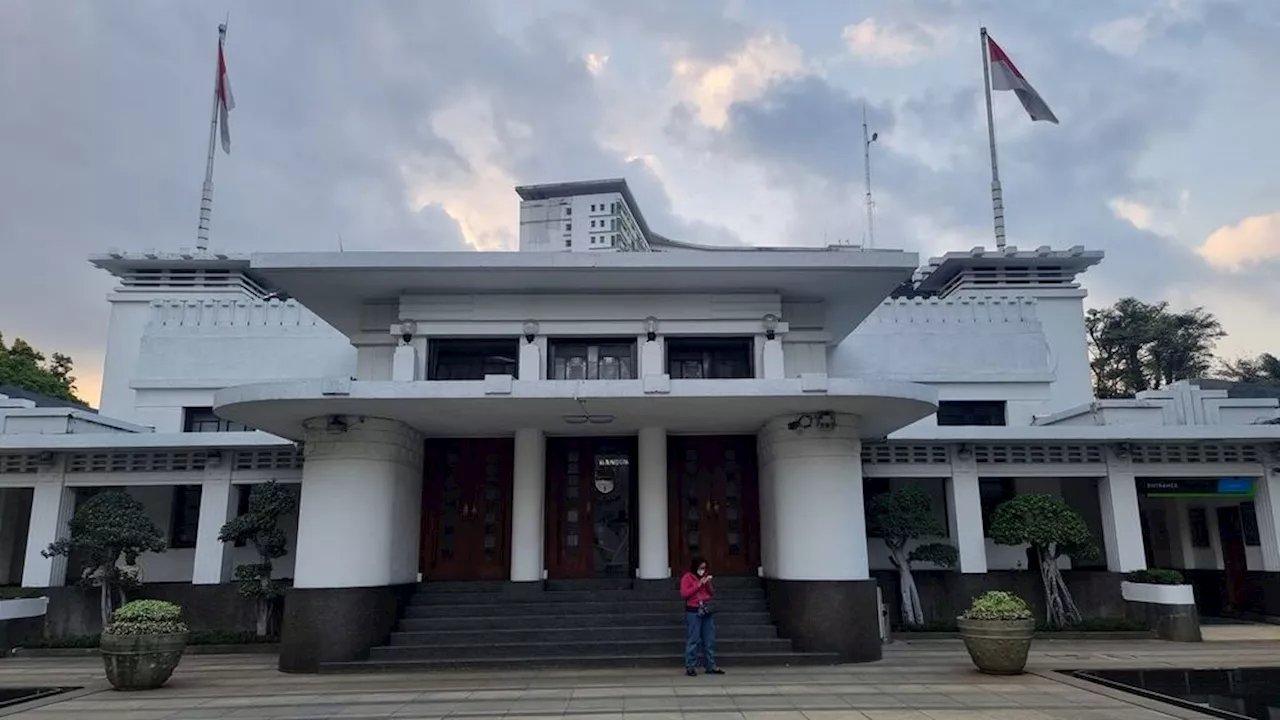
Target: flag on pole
226,102
1005,76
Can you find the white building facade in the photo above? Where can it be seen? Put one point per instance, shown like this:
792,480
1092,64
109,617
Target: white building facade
538,416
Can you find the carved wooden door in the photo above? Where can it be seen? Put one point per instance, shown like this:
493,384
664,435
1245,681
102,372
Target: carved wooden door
713,489
466,509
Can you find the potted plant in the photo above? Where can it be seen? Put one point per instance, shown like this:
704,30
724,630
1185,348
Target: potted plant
143,644
997,630
1163,600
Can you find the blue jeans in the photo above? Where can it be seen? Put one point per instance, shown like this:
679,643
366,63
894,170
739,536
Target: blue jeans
699,630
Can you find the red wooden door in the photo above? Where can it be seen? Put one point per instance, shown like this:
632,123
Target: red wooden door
1234,560
714,502
590,490
466,513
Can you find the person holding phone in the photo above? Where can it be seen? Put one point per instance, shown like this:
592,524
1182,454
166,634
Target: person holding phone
700,619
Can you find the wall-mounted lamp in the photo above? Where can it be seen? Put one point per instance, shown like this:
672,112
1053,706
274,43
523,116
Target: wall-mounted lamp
651,328
770,323
408,329
825,421
530,330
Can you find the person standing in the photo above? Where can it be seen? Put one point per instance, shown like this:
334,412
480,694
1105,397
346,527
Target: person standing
700,619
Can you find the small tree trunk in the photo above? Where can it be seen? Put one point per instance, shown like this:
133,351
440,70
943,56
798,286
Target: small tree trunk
912,616
264,616
104,602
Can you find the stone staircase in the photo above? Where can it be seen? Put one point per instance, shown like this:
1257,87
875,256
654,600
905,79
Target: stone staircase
573,623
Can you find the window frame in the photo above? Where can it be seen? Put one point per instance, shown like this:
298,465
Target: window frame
967,411
593,346
497,345
201,416
179,521
711,350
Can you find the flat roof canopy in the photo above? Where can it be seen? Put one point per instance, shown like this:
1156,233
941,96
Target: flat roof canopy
850,282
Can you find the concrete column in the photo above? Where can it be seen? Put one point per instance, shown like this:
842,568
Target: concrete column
1267,505
52,504
212,564
528,505
530,367
773,360
404,364
964,513
655,557
651,355
1121,521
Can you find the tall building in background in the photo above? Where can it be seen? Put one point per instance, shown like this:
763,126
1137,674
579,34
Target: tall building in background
581,216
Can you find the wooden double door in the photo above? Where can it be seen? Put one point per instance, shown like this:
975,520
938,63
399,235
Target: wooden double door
713,491
591,497
466,509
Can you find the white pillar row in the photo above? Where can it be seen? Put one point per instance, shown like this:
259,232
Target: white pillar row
212,565
964,513
1121,521
1267,506
814,496
528,505
655,558
52,504
359,518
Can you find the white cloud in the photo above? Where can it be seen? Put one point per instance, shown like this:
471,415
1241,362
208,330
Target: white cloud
596,63
1128,34
712,87
896,44
1135,213
1253,239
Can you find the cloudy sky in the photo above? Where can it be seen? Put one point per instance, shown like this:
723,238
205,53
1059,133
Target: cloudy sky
402,125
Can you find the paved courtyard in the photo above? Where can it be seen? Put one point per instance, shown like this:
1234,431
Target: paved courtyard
927,680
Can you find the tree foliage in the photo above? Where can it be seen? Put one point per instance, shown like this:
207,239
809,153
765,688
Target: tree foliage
23,366
902,515
1136,346
1261,370
1053,530
105,528
268,502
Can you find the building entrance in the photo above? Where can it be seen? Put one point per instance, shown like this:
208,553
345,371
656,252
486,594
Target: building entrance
715,503
466,509
591,493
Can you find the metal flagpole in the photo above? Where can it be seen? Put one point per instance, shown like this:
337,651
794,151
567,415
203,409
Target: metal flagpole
206,195
866,163
997,195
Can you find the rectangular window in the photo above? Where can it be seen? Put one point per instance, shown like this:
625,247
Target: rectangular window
992,493
473,359
185,518
203,420
568,243
971,412
1198,524
710,358
568,227
568,210
871,487
1249,524
574,359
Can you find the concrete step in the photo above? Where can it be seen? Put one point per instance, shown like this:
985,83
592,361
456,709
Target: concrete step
620,648
670,632
673,660
571,596
623,607
672,618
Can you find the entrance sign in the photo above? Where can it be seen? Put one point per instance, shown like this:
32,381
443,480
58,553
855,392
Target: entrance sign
1227,487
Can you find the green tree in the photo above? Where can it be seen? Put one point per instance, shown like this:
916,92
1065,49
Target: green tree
1261,370
900,516
1053,530
268,502
1136,346
104,528
23,366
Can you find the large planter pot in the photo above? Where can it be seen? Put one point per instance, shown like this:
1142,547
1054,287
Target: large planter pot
1170,610
998,647
141,662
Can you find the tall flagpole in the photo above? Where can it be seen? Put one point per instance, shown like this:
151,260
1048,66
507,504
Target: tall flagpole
866,164
997,195
206,195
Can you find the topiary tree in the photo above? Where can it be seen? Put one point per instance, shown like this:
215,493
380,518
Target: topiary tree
268,502
900,516
1053,530
104,528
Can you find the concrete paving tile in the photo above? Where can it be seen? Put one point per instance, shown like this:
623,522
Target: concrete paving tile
773,715
642,715
651,704
819,702
862,702
594,705
951,714
920,701
834,715
895,715
199,714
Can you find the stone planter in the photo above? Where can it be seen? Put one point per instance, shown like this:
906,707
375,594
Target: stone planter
1170,610
141,662
998,647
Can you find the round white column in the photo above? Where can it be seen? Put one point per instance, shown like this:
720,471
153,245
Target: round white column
528,506
814,493
359,518
655,559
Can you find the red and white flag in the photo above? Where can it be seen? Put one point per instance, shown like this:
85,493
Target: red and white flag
226,102
1005,76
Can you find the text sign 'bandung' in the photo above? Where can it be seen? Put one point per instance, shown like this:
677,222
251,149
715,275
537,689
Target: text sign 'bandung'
1196,487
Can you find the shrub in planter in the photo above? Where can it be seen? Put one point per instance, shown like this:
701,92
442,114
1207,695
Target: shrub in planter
1155,576
997,630
143,644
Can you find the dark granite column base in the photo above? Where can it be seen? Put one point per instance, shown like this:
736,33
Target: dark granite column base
828,616
1176,623
337,624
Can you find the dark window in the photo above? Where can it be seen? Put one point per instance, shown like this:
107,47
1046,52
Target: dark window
1249,524
592,360
242,505
971,412
568,227
185,521
871,487
1198,523
568,211
992,493
710,358
202,419
473,359
568,243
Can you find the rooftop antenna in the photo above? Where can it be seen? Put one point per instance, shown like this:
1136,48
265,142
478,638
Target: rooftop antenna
340,243
867,139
